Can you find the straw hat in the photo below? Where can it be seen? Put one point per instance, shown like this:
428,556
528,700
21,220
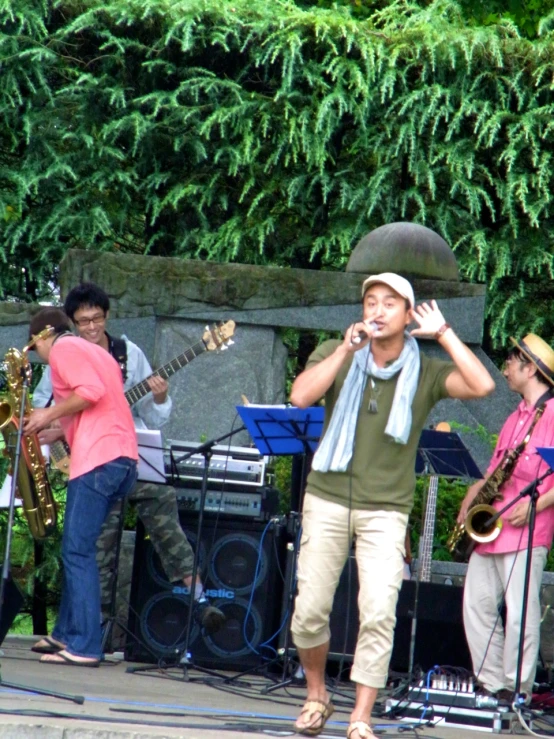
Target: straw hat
539,353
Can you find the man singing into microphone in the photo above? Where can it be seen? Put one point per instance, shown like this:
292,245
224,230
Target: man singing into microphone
378,389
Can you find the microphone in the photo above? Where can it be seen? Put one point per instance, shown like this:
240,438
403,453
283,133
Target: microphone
362,335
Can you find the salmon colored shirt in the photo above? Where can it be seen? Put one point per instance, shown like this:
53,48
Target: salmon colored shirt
105,430
530,465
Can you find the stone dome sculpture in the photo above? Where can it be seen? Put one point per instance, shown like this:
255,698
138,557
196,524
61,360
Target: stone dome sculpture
406,248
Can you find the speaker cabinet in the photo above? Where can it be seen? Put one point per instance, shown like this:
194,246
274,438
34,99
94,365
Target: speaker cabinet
13,602
440,637
241,565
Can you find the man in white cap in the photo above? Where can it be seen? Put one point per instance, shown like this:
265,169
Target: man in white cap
496,570
378,389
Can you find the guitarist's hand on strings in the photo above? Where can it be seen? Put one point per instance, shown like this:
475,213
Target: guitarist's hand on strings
159,388
53,433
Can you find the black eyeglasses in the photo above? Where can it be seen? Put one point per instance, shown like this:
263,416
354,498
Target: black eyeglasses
84,322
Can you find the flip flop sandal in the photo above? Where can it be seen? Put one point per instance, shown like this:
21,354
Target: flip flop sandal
49,647
61,658
364,730
317,713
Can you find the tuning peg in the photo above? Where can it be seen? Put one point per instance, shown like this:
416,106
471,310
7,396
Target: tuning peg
223,348
229,342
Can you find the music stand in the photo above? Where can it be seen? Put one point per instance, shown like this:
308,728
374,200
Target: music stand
439,454
185,661
445,454
281,431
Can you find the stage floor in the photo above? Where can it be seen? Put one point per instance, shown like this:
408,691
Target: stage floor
119,705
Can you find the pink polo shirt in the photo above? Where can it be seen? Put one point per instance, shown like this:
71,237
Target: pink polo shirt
529,466
105,430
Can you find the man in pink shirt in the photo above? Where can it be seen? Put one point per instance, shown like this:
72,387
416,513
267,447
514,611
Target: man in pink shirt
496,569
92,409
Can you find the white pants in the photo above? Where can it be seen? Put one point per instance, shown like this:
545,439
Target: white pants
324,548
494,650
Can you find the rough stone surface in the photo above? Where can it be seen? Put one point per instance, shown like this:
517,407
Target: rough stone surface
206,392
466,315
162,286
406,248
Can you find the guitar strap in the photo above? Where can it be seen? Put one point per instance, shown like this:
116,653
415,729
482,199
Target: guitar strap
514,454
118,350
540,407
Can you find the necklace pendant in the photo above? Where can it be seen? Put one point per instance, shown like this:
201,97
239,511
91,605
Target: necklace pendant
372,407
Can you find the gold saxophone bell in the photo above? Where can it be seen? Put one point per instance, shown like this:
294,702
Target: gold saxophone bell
477,526
38,503
6,412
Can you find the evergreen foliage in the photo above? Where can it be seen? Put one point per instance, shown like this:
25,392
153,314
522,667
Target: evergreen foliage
526,14
273,134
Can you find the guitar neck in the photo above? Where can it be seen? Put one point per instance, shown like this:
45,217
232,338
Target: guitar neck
138,391
426,541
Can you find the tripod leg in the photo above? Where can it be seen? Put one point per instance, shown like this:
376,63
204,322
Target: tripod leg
79,699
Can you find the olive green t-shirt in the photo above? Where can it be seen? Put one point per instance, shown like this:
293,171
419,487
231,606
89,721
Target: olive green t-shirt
381,473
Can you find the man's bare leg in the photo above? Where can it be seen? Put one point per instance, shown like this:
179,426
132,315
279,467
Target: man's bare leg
365,700
313,663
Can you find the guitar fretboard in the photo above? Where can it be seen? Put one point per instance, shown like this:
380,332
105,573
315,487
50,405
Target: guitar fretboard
426,541
138,391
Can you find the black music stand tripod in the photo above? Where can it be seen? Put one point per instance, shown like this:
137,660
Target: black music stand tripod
185,661
439,454
286,430
79,699
531,491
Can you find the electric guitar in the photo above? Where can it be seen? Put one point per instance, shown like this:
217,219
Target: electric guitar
213,338
425,551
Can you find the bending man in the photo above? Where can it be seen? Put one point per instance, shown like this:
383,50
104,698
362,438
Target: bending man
88,307
97,423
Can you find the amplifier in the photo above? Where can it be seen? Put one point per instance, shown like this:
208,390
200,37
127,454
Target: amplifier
228,465
260,505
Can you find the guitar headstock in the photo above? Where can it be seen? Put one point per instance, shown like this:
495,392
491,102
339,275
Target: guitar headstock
215,337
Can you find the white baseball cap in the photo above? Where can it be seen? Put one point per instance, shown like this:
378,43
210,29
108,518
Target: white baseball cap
399,284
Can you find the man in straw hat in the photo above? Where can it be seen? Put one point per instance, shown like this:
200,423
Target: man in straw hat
496,569
378,389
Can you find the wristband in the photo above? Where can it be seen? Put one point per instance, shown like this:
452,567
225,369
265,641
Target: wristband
441,331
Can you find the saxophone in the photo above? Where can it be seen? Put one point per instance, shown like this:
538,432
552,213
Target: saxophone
478,527
34,488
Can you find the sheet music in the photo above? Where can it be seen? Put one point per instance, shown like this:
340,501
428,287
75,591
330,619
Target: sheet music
5,492
151,465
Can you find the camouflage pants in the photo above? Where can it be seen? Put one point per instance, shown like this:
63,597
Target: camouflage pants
157,509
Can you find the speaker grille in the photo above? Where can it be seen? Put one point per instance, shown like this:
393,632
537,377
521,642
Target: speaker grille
242,573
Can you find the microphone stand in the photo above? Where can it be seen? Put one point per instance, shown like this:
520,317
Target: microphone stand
531,491
185,661
79,699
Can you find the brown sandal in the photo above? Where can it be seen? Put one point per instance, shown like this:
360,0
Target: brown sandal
66,658
47,645
318,713
364,730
